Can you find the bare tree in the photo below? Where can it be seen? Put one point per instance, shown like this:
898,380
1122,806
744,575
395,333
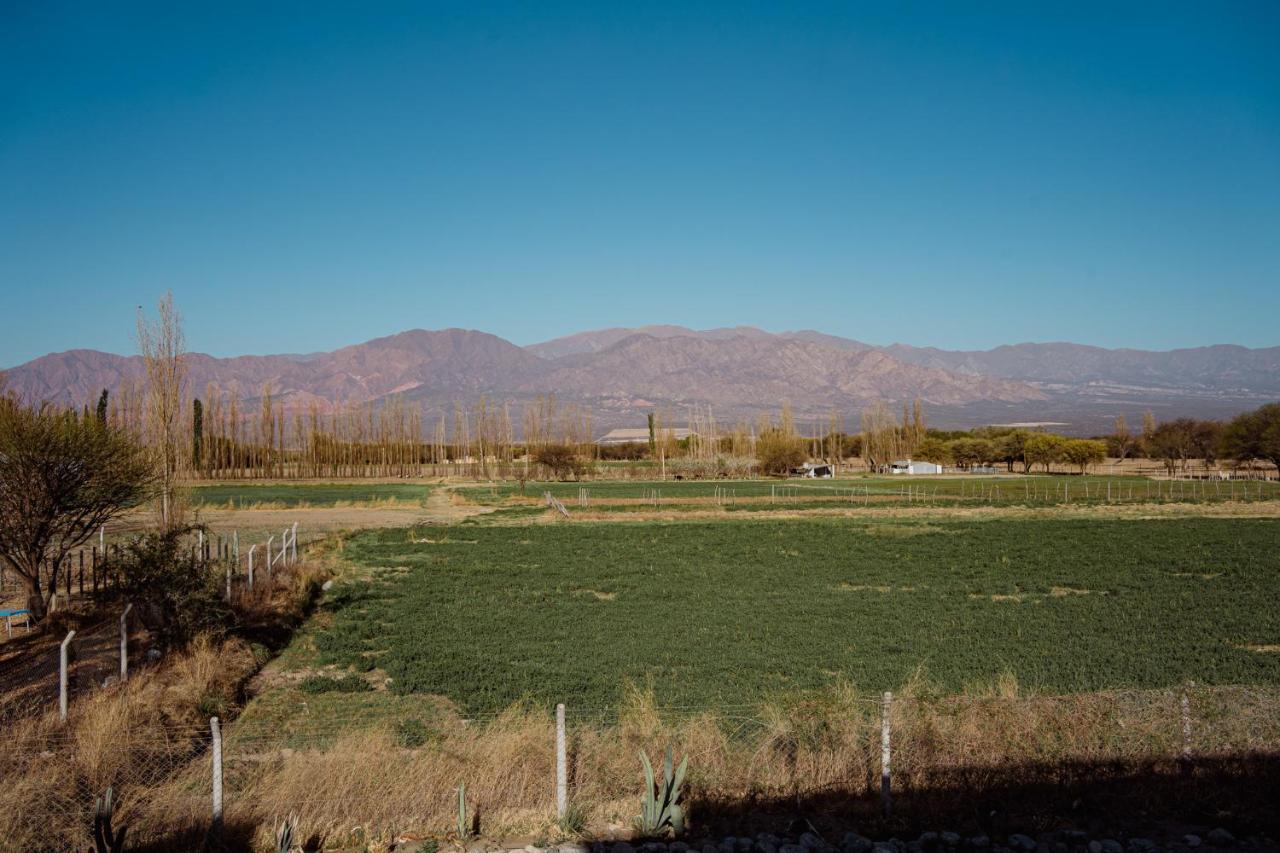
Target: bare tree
164,356
62,477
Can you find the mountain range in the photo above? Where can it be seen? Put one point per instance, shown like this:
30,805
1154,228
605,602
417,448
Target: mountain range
740,372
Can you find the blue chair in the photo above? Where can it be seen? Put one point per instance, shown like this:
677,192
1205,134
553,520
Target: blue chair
10,615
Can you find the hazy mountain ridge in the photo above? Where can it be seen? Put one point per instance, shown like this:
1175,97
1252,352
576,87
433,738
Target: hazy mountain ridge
740,371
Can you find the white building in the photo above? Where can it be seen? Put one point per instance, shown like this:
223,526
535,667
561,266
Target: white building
641,436
908,466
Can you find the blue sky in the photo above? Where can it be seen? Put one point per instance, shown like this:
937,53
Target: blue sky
960,175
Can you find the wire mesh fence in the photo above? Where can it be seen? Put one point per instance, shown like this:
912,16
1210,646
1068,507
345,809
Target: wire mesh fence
403,771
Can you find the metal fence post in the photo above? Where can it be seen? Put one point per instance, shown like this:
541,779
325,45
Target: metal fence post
562,765
124,643
886,787
217,773
62,676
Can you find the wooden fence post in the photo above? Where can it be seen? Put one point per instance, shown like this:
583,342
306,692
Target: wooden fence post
562,765
62,676
124,643
886,786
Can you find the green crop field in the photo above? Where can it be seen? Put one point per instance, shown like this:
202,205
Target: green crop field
310,494
729,612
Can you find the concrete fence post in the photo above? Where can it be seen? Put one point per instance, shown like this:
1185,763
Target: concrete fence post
252,548
124,643
886,786
216,729
294,540
62,676
562,765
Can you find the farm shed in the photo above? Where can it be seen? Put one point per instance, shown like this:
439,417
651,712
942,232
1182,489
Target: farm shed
908,466
818,470
640,436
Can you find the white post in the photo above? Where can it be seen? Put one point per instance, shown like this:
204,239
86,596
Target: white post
562,765
235,546
62,676
124,643
886,789
270,539
102,540
294,538
200,544
217,773
1186,733
228,593
252,548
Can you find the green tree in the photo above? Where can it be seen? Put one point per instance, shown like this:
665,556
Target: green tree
1083,452
102,407
1172,443
1254,435
934,449
1043,448
197,432
62,476
970,452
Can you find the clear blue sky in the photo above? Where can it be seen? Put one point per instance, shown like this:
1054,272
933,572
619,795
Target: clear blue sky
959,175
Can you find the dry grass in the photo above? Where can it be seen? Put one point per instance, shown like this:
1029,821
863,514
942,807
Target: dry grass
145,738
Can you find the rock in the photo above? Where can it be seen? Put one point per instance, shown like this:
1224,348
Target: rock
1025,843
744,845
1141,844
915,847
674,847
884,847
728,845
623,847
573,847
792,848
765,845
154,654
710,848
951,839
927,840
979,842
1095,846
855,843
1220,838
327,585
1192,840
809,841
653,847
1110,845
1059,847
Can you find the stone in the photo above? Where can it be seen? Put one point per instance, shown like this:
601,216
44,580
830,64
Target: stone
855,843
979,842
674,847
764,845
710,848
1141,844
623,847
1059,847
1025,843
1192,840
792,848
744,845
809,841
573,847
1110,845
653,847
951,839
327,585
1220,838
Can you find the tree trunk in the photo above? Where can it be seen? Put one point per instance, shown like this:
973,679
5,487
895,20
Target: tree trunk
35,598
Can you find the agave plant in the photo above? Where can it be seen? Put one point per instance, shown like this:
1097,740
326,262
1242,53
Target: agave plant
285,833
105,838
463,829
662,809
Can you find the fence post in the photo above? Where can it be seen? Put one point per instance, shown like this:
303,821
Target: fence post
252,548
217,773
562,765
228,595
1186,734
62,676
294,542
124,643
886,788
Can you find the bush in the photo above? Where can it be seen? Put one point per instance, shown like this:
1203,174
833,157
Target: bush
174,594
778,451
328,684
561,459
412,733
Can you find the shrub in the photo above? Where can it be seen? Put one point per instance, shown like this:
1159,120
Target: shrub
561,459
779,451
329,684
175,594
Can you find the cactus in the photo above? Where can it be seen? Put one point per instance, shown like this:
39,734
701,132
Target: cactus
284,834
661,809
106,839
463,829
